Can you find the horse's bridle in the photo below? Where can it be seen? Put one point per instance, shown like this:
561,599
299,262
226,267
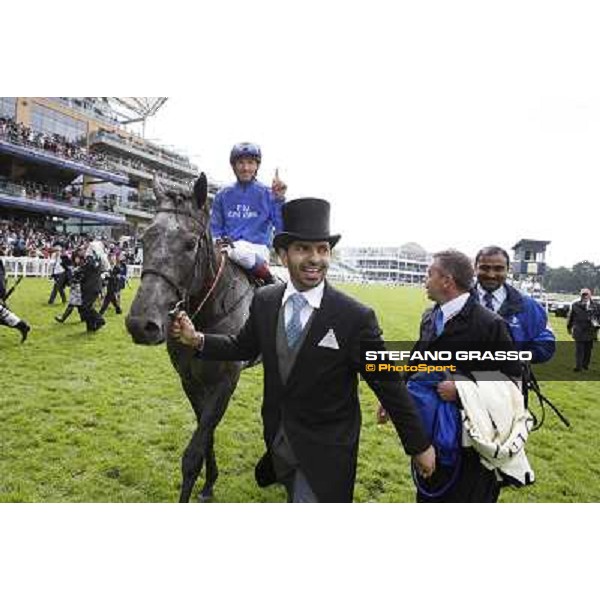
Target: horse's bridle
203,244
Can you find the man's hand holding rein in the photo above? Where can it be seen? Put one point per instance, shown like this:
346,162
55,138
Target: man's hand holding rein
183,330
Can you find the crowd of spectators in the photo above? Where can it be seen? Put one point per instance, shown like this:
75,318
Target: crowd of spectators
73,196
151,149
34,240
165,178
52,143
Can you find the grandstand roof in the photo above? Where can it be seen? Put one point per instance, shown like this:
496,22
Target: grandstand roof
135,109
413,248
531,244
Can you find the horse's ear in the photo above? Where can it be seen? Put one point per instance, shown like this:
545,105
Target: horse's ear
201,190
159,190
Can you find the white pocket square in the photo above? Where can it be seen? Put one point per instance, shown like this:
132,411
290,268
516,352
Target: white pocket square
329,341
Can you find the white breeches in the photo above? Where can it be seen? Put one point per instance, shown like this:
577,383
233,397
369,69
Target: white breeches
7,317
244,253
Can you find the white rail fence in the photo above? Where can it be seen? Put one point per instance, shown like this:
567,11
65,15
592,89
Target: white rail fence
42,267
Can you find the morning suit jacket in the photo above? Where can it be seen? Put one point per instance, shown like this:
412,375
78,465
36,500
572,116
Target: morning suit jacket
318,405
474,328
2,280
580,321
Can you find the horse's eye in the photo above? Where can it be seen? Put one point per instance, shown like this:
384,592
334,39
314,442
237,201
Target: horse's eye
190,245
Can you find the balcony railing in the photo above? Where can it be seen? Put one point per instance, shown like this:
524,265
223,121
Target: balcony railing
103,137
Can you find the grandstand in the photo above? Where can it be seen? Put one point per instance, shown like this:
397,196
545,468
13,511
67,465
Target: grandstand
72,165
340,271
398,265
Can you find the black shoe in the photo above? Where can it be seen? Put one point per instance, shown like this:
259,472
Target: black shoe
59,319
576,369
24,329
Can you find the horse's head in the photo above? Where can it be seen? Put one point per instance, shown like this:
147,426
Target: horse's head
177,248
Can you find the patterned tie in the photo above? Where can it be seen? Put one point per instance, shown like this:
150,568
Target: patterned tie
488,300
438,320
294,327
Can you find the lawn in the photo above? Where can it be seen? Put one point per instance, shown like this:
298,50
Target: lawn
94,418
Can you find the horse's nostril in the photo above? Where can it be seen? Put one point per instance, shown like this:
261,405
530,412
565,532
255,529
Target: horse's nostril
151,328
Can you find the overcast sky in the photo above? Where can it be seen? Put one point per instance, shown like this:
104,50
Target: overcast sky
445,124
451,124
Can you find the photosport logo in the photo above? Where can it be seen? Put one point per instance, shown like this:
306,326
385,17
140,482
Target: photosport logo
393,360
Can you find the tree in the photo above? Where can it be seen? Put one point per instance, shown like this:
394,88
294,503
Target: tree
586,275
560,280
583,274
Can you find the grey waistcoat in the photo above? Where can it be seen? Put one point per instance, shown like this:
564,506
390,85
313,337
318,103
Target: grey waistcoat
286,356
284,459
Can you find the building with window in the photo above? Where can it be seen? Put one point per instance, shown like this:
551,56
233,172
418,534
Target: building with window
528,265
72,161
398,265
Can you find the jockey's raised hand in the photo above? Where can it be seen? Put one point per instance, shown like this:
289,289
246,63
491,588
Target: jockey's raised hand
183,330
278,187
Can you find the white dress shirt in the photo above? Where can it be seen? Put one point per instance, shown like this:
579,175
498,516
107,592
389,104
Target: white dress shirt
453,307
313,299
498,296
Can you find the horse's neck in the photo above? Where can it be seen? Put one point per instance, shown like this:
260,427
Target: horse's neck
230,287
204,278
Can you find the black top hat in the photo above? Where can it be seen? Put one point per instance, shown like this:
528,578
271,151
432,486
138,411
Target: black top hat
305,219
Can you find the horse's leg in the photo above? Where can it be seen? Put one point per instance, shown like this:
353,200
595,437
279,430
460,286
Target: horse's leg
193,456
209,402
212,472
216,402
191,464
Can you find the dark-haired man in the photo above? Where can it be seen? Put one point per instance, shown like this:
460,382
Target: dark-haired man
525,317
309,335
456,319
245,215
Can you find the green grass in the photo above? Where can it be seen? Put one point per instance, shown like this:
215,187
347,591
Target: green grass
94,418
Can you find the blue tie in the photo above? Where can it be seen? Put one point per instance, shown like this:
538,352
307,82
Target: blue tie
488,300
438,320
294,327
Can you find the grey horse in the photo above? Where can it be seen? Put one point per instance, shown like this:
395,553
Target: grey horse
182,265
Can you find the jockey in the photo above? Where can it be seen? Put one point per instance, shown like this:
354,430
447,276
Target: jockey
245,215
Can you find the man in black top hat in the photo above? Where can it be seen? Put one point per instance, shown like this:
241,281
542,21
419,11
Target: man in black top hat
309,335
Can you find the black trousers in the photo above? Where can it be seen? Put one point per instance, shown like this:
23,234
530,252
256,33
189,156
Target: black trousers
111,298
60,281
475,483
583,354
93,319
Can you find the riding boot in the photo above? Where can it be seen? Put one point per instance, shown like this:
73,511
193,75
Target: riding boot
24,328
261,270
